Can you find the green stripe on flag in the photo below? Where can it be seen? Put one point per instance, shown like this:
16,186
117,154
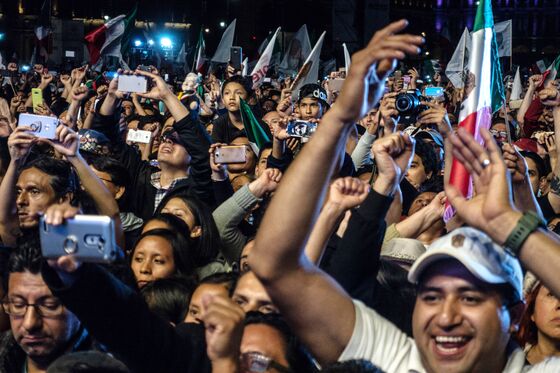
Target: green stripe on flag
484,17
129,23
256,133
498,91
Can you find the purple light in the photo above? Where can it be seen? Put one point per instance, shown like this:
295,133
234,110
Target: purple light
439,3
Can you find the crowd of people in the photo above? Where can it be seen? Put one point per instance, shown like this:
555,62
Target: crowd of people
326,251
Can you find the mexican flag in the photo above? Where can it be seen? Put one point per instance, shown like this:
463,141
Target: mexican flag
552,71
484,91
199,56
108,39
257,134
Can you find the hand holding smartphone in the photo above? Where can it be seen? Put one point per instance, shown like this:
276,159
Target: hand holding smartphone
41,125
88,238
132,84
230,154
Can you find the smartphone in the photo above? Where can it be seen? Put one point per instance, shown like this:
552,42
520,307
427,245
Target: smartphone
230,154
89,238
37,97
236,57
406,82
139,136
41,125
301,128
336,84
133,83
433,92
144,68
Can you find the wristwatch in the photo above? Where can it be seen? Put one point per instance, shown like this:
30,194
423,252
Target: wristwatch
528,223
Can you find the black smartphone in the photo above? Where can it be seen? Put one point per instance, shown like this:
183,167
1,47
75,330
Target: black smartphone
236,57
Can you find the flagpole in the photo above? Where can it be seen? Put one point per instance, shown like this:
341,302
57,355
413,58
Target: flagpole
508,131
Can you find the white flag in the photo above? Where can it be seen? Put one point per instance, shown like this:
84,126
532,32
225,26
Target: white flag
517,88
223,51
245,64
181,56
459,60
346,57
298,50
262,66
312,69
503,37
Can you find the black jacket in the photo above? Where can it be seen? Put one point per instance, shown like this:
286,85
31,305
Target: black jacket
118,317
142,196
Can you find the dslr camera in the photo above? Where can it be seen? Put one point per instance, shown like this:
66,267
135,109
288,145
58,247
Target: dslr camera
409,105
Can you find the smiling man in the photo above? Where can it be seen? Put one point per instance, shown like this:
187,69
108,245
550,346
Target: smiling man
42,329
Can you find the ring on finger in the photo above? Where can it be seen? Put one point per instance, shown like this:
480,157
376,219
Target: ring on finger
485,163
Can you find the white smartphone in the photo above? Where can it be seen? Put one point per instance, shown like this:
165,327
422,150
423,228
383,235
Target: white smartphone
41,125
133,83
139,136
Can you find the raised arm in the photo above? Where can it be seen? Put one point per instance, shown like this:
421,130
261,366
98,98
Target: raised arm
298,288
534,82
492,210
344,194
19,144
67,143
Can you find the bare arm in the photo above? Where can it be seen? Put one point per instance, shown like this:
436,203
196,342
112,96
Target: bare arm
534,82
419,222
298,288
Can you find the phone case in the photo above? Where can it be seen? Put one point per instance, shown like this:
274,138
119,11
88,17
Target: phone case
139,136
41,125
301,128
230,154
132,83
89,238
236,57
37,97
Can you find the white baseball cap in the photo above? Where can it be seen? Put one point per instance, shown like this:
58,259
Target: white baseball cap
485,259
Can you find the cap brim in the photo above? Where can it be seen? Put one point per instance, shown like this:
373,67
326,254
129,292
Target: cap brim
432,256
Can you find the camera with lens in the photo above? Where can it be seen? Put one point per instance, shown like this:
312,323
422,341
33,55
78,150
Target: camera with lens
409,105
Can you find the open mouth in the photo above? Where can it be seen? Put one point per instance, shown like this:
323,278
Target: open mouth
450,346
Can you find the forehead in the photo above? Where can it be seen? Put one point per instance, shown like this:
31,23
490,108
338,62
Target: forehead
209,289
249,284
425,196
308,101
273,115
35,176
27,285
240,141
234,86
155,245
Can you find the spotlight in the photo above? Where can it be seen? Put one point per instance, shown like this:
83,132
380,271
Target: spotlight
2,35
207,30
222,24
150,42
166,42
25,68
427,53
106,17
137,43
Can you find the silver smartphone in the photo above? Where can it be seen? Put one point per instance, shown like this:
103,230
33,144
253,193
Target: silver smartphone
89,238
41,125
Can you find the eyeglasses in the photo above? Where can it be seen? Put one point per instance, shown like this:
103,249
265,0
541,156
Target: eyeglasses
45,308
255,362
499,134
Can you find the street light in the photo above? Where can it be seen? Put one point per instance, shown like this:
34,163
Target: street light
222,24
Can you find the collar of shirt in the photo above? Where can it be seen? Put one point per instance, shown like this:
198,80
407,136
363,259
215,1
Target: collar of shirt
155,179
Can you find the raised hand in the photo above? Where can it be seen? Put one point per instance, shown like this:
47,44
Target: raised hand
216,167
436,114
43,109
79,74
549,96
492,208
66,80
19,142
348,192
535,81
12,67
223,322
370,67
393,155
66,143
79,93
515,163
266,183
159,90
46,79
389,111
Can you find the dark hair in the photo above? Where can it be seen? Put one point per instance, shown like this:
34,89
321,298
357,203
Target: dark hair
528,331
227,278
181,246
395,296
62,178
429,158
266,145
174,223
26,257
245,82
352,366
539,162
119,173
298,358
169,298
209,244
